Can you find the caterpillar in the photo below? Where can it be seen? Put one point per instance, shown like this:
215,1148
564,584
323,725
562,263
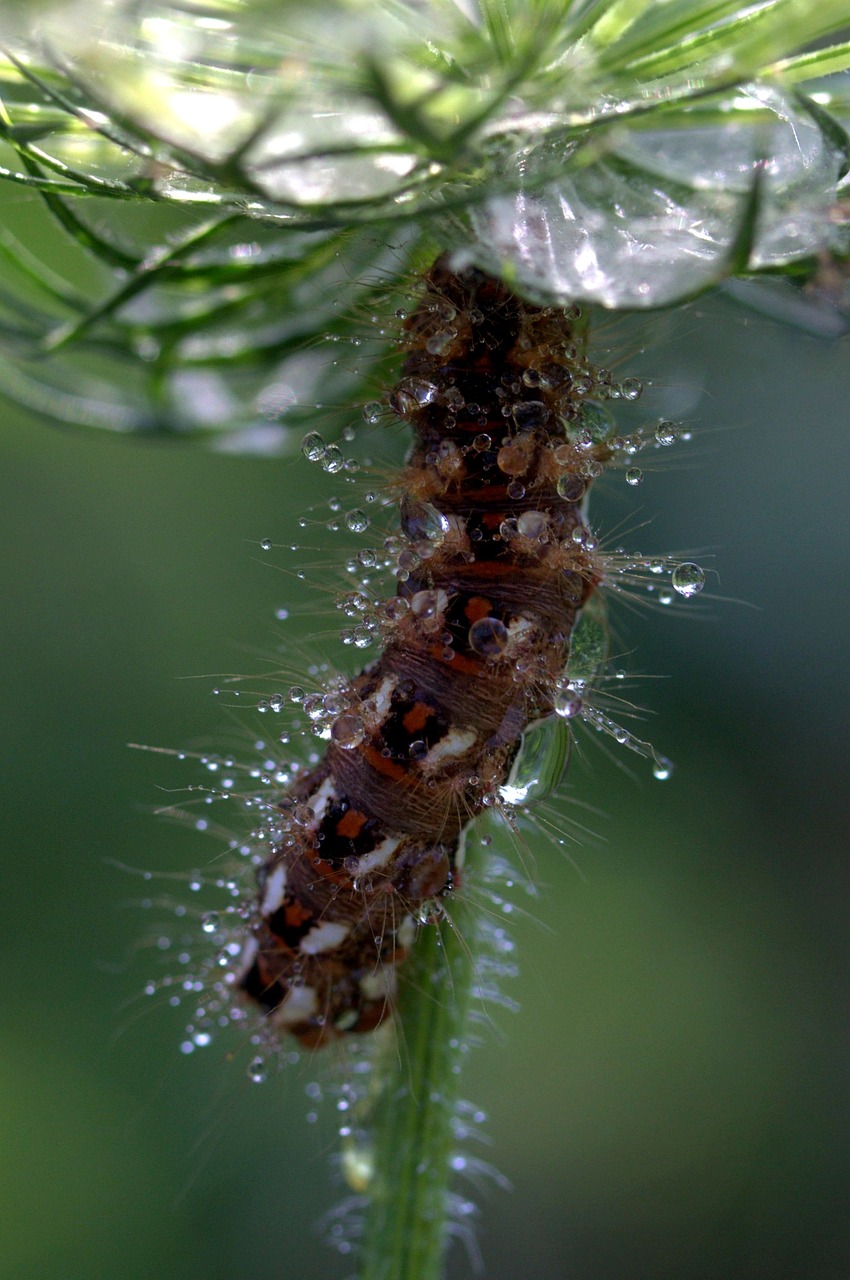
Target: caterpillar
496,567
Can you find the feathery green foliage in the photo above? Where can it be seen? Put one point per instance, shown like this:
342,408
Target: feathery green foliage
291,157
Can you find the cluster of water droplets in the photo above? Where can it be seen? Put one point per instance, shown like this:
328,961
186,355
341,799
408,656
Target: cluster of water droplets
201,945
329,456
665,579
238,804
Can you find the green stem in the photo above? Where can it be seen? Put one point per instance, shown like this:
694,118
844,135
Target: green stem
405,1232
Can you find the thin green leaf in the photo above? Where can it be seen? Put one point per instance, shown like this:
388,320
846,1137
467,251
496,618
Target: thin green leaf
32,269
103,124
741,250
829,127
813,65
144,277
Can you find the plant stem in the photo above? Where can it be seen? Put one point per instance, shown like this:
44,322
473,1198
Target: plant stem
406,1224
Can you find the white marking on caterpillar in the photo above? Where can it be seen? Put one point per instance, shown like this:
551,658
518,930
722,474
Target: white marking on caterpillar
381,699
380,984
324,937
299,1004
274,890
326,793
455,743
379,856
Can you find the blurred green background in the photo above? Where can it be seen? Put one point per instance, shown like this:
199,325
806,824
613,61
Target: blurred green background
671,1101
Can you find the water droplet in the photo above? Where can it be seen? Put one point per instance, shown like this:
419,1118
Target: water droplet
348,731
567,704
372,411
634,475
412,394
571,487
266,544
631,388
529,414
257,1070
357,521
358,1165
539,764
421,521
594,422
667,433
688,579
440,341
489,637
394,609
302,815
210,921
429,605
431,911
313,446
662,768
332,460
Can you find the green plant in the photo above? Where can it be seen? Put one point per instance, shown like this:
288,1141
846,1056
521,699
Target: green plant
473,135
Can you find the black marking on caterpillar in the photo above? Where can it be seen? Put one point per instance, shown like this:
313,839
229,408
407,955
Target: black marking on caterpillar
495,568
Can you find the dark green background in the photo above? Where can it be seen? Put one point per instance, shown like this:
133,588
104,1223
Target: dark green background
671,1100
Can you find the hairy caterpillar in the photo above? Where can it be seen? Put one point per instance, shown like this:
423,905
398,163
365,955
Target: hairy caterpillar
495,566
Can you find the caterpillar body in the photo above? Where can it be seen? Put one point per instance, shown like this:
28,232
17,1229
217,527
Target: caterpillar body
495,566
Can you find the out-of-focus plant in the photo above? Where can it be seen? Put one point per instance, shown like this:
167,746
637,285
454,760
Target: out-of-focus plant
626,153
237,181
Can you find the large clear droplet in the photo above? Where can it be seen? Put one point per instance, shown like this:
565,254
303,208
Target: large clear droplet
313,446
528,414
688,579
567,704
488,637
357,521
332,459
412,394
421,521
348,731
662,768
539,764
667,433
